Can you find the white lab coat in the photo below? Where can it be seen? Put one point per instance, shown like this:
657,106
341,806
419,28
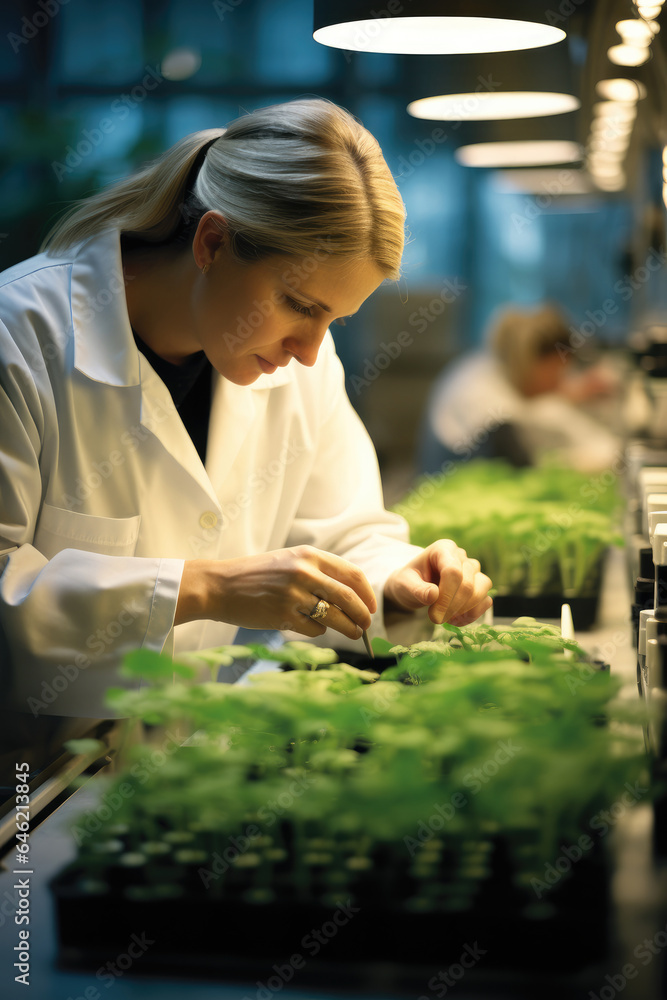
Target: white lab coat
103,495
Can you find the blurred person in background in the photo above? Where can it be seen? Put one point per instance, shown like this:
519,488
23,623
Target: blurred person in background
518,399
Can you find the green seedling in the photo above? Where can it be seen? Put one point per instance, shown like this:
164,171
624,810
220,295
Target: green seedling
535,531
344,783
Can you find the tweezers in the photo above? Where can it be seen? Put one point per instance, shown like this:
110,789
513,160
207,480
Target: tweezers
367,644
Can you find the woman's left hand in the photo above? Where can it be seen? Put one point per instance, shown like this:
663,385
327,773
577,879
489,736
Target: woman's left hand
445,580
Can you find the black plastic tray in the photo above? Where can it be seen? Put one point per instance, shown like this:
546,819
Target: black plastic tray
377,947
540,606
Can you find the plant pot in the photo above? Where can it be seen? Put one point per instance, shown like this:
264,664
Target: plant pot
363,940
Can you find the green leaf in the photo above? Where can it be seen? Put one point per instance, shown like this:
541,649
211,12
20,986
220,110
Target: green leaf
381,647
299,655
148,664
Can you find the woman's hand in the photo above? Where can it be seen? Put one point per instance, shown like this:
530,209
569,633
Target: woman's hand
443,578
278,590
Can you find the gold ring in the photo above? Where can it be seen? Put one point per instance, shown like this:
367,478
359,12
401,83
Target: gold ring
319,611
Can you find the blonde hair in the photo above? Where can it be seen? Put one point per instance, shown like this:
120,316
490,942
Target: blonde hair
518,337
294,178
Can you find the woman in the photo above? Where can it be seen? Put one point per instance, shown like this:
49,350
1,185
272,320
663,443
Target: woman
517,400
168,473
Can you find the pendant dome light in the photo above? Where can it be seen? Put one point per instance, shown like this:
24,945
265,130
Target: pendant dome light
499,85
621,88
433,27
481,106
525,153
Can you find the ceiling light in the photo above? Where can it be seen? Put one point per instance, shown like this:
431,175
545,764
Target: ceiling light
649,11
604,171
484,106
180,64
603,160
610,127
614,122
616,183
618,111
628,55
637,31
531,153
547,181
613,145
468,26
621,88
605,132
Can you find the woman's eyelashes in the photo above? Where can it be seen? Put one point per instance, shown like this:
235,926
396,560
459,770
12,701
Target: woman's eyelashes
303,310
299,307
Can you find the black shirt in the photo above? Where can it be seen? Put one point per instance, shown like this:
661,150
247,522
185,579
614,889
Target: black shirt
190,387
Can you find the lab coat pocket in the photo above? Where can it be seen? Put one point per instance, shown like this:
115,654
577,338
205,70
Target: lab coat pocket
59,529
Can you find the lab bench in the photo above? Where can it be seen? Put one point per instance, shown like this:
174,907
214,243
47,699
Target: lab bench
634,963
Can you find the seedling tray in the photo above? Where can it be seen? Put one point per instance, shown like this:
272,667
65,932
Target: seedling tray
229,871
362,941
541,606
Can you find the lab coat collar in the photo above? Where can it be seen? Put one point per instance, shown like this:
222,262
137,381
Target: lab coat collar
105,351
104,348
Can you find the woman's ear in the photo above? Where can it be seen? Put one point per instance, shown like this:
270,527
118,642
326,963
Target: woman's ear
211,236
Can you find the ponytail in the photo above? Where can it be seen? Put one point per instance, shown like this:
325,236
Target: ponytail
295,179
151,202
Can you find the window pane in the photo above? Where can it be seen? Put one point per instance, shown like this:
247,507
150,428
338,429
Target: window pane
284,28
100,42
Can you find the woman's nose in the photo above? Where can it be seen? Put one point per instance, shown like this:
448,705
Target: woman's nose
306,348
